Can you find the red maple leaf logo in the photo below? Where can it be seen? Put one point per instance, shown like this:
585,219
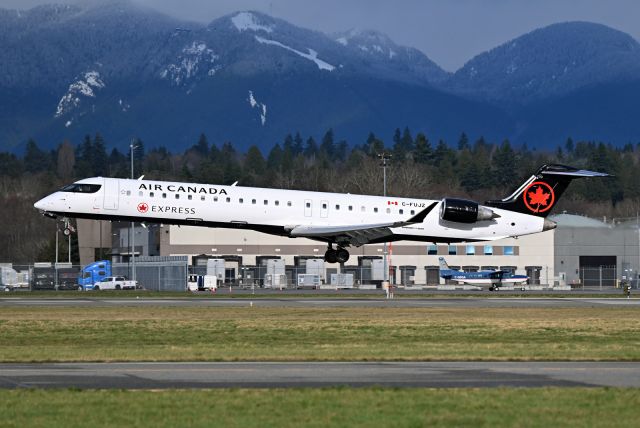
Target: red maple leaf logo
539,197
143,207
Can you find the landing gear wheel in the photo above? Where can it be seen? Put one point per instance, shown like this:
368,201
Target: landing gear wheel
342,255
331,256
66,232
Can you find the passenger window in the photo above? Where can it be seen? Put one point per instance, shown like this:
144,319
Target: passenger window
128,192
375,210
388,210
215,199
253,201
164,195
140,193
228,199
412,212
277,203
151,194
362,208
241,200
202,197
401,211
177,196
266,202
324,206
337,207
288,203
350,207
190,197
308,204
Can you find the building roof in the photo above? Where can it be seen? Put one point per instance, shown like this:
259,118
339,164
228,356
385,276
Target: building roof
572,220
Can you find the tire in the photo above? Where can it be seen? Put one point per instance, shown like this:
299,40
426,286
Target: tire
118,287
331,256
96,288
342,255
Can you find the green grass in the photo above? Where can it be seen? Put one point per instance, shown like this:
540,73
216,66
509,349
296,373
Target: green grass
353,407
318,334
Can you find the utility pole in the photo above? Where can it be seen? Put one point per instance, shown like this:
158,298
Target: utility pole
132,146
384,162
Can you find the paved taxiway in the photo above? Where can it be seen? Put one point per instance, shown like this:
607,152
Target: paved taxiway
317,374
292,302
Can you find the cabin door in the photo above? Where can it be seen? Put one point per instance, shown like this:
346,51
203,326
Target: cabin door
111,193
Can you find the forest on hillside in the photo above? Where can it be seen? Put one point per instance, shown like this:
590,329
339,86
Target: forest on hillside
474,169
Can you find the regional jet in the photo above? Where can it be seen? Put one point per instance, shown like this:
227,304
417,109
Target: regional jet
491,278
340,220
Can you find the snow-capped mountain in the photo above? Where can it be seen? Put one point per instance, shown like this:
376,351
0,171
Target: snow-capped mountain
551,61
122,70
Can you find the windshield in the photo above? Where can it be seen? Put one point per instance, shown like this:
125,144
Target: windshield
81,188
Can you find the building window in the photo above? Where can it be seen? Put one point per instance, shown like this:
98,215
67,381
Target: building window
488,250
508,250
453,250
471,250
432,250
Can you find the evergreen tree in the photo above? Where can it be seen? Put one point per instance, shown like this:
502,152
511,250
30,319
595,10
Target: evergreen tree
66,160
463,142
274,160
327,146
297,144
503,160
35,159
99,158
202,146
423,152
254,162
568,145
311,149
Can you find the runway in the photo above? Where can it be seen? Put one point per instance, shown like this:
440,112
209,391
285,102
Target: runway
312,302
319,374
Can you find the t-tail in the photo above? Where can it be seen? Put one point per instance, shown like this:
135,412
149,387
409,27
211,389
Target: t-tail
443,264
538,195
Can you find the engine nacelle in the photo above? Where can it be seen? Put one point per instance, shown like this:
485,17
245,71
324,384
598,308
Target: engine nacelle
464,211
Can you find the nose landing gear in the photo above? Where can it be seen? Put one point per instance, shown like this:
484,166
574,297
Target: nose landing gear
339,255
68,228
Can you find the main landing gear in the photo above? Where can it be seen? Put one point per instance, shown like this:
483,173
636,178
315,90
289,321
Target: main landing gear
339,255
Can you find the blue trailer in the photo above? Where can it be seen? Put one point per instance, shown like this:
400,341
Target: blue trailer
92,273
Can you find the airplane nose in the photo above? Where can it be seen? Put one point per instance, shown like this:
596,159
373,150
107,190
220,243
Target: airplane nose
41,204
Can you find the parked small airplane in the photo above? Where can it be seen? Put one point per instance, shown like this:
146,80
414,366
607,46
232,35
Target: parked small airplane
491,278
338,219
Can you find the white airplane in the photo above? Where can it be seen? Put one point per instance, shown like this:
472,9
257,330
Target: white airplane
338,219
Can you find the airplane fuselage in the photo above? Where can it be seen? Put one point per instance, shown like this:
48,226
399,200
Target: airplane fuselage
272,211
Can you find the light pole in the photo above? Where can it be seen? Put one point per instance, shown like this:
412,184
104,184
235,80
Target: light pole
133,146
384,162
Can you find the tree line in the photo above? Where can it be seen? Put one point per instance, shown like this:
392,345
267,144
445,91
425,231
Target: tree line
470,168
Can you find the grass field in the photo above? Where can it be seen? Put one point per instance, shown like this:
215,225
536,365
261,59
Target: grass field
319,334
365,407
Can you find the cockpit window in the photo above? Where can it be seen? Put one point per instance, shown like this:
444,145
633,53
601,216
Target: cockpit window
81,188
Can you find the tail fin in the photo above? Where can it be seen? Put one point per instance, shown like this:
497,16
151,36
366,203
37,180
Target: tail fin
541,191
443,264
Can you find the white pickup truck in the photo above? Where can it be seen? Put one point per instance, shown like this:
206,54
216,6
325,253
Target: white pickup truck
115,283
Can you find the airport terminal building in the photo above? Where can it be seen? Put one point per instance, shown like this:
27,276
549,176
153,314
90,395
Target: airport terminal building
580,250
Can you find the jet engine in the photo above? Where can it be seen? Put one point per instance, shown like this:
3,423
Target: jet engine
464,211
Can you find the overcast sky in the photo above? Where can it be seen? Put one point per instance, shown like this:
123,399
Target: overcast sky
450,32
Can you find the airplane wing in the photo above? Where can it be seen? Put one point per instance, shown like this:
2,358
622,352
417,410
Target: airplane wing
357,234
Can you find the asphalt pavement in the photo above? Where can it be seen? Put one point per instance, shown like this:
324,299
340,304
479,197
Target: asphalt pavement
167,375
